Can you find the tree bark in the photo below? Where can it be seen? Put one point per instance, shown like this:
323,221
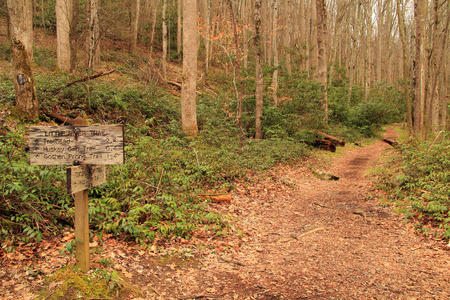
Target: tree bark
179,31
314,54
137,14
64,17
94,35
322,38
190,50
275,53
164,41
402,31
20,14
420,16
259,75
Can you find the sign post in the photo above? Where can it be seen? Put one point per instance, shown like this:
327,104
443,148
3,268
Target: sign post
87,148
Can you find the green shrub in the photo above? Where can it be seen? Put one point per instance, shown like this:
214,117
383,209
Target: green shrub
424,171
33,200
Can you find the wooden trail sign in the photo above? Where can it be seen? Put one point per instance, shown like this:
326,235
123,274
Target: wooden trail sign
69,145
88,148
84,177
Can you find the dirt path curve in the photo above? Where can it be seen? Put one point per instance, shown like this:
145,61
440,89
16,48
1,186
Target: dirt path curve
321,240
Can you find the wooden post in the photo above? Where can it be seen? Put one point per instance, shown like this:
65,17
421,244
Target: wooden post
88,149
82,230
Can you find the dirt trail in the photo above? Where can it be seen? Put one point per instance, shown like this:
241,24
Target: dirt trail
321,240
302,238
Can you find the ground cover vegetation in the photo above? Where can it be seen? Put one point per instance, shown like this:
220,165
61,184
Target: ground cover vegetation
154,195
417,185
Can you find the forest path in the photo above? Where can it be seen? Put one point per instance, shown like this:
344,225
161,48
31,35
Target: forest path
321,240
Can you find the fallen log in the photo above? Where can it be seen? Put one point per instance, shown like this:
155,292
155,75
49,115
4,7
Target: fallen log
216,198
391,143
58,118
324,144
335,140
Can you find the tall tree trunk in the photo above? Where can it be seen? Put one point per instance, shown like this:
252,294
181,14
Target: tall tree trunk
190,51
380,25
179,13
259,75
402,31
288,6
164,41
237,69
20,14
322,38
136,25
208,40
420,16
94,35
244,17
314,54
303,35
275,53
437,63
64,18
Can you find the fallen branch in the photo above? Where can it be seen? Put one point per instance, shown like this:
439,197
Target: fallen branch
84,79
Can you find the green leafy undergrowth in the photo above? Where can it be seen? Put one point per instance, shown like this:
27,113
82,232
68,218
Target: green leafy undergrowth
98,283
33,200
418,185
152,196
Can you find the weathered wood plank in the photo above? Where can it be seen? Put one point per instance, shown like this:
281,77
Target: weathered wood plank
82,231
84,177
73,145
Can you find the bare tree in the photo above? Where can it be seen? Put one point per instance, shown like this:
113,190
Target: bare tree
322,38
135,25
20,14
189,86
420,17
94,34
65,30
275,53
259,75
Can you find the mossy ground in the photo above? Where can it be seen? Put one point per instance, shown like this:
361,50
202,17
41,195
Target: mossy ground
70,283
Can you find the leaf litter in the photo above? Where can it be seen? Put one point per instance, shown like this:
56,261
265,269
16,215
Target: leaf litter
293,236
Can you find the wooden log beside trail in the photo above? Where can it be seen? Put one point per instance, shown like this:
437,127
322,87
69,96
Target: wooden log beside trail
216,198
324,144
335,140
392,143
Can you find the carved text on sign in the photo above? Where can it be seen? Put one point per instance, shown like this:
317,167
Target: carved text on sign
84,144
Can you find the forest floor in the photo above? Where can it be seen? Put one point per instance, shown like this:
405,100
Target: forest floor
301,238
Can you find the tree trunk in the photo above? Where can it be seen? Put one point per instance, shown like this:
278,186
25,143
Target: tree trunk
20,14
402,31
190,50
259,75
179,13
64,17
164,41
275,53
135,31
94,35
314,54
420,16
322,37
288,6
